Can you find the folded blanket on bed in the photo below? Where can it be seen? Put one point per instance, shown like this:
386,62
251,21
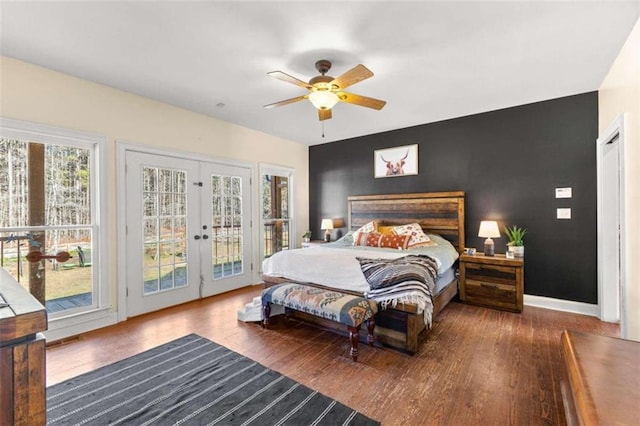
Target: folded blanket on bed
408,279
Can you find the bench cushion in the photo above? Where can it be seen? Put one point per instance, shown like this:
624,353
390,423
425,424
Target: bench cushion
333,305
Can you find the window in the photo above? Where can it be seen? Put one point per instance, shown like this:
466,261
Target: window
276,188
48,205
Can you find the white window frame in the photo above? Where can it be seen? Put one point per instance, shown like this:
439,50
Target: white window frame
271,169
98,315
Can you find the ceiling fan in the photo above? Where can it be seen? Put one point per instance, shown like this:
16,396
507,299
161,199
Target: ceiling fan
326,91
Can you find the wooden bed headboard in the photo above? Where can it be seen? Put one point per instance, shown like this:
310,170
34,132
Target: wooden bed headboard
437,212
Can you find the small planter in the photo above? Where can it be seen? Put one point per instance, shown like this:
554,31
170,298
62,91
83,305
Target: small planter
515,235
518,251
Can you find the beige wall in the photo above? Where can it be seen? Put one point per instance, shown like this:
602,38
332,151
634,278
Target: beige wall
620,93
36,94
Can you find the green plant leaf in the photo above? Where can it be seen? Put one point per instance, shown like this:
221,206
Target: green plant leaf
515,234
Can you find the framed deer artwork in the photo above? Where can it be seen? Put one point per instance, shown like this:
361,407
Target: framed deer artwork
396,161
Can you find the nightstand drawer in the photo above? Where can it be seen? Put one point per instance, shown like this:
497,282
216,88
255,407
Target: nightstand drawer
493,273
491,294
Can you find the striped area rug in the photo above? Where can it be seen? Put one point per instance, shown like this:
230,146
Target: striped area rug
192,381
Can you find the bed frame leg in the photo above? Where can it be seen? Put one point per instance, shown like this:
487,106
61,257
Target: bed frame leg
354,336
266,309
371,326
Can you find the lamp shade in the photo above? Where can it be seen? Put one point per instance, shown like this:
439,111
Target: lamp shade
489,229
323,99
338,223
326,224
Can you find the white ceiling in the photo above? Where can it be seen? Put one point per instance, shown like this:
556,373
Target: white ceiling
431,60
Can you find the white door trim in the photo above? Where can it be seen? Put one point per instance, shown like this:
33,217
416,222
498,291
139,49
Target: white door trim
615,130
121,149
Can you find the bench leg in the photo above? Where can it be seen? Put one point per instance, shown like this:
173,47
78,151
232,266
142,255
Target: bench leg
353,338
371,326
266,310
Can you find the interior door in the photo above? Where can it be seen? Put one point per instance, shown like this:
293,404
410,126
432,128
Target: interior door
226,228
162,211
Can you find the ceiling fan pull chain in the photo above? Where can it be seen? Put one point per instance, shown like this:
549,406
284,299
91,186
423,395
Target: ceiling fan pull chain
322,128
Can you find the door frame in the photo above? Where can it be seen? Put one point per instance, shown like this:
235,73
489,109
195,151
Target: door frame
605,293
121,238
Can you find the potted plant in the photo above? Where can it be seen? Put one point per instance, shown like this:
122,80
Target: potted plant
515,234
306,237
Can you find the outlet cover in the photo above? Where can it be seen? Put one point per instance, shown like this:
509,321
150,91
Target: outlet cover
563,213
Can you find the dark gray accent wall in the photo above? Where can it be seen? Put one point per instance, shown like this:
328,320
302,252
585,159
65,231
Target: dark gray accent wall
509,163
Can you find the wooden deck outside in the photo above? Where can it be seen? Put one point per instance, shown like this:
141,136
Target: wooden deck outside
69,302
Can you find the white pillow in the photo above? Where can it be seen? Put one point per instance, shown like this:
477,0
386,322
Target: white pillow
418,237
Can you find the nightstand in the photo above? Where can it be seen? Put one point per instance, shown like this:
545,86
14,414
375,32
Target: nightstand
313,243
492,281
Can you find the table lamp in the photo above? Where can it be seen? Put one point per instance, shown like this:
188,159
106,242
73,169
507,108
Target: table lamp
327,225
489,229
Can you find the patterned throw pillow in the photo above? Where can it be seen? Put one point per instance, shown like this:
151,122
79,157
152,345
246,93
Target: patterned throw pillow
367,227
418,237
375,239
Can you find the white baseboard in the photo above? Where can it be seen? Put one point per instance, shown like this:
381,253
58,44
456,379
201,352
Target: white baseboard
66,327
562,305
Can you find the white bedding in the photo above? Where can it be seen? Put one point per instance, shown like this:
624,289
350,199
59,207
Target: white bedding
336,266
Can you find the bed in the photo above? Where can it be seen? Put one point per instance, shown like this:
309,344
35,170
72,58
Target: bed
439,214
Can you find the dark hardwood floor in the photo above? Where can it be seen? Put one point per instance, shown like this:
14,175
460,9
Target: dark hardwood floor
476,366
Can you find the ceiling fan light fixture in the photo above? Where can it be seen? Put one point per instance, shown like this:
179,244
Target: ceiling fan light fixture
324,91
323,99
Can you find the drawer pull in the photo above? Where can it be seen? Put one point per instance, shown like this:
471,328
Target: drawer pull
485,285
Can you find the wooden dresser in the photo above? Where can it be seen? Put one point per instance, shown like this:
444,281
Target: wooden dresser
601,379
22,355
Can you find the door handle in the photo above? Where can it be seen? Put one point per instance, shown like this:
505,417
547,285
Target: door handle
196,237
205,237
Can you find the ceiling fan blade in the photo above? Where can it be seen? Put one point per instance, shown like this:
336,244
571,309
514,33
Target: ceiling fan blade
364,101
353,76
289,79
286,102
324,114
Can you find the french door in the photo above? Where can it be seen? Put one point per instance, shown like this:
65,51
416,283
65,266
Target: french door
188,230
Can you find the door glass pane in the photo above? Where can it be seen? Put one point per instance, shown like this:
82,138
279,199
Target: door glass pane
164,223
275,213
226,220
57,199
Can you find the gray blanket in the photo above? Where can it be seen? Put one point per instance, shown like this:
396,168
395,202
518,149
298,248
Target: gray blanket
409,279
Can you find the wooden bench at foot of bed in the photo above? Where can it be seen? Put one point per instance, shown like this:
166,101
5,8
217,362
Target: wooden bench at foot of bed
401,327
337,307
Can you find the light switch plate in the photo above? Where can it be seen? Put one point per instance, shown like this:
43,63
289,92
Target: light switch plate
563,192
563,213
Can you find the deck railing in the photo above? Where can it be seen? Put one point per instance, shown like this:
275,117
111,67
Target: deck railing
276,237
